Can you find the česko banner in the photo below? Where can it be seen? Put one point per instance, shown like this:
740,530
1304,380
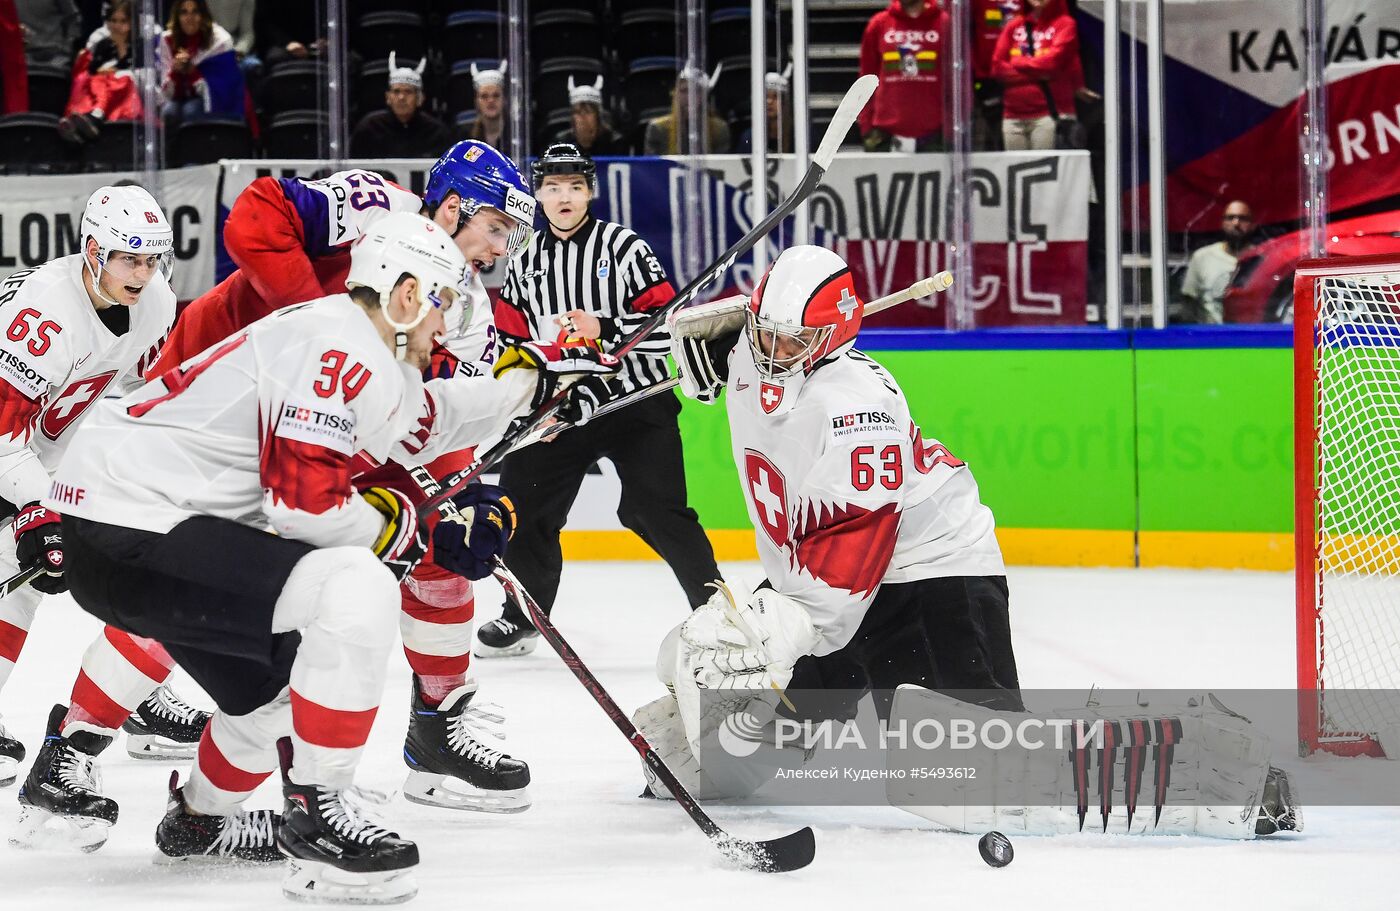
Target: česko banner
41,219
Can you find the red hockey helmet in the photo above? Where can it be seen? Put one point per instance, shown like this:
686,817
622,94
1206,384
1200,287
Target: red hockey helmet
804,310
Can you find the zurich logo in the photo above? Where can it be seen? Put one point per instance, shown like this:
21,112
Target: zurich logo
135,242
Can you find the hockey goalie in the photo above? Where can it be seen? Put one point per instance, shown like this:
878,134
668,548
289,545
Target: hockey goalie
883,577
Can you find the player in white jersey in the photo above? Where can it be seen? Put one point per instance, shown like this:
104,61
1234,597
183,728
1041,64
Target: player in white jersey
76,329
883,566
288,631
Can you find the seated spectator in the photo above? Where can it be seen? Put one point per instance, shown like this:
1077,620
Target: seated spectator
591,132
14,72
198,69
775,109
50,30
288,31
237,17
1037,62
904,45
1213,265
402,129
490,124
669,135
104,89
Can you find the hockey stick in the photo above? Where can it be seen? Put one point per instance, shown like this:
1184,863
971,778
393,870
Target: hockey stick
851,105
922,288
19,580
780,855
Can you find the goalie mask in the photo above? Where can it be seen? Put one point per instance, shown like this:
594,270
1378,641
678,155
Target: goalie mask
804,311
400,244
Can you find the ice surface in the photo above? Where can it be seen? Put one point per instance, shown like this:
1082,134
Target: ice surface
588,842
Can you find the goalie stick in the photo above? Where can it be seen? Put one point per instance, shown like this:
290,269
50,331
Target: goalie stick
779,855
934,284
845,117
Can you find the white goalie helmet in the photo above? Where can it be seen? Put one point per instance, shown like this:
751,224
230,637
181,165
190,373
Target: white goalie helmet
128,220
402,243
803,312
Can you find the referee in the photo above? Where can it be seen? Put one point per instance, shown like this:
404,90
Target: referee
591,279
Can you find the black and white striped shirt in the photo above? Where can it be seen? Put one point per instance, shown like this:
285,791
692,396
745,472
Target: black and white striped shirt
605,270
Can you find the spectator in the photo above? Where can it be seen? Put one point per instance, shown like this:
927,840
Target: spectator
14,72
989,18
288,31
403,129
237,16
200,78
104,89
50,30
775,109
670,135
1213,265
490,123
1037,62
904,44
591,132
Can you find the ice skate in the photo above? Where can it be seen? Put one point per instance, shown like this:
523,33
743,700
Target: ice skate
338,854
502,638
11,755
60,801
164,726
183,837
1278,812
456,759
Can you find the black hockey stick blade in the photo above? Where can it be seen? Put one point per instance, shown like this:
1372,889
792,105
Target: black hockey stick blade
847,111
779,855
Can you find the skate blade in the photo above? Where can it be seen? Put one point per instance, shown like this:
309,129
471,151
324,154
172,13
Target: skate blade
9,771
319,883
153,747
41,830
455,794
523,647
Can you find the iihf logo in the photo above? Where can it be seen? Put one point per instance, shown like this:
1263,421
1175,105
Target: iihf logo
603,267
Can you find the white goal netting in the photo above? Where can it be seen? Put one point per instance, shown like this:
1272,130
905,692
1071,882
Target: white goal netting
1357,488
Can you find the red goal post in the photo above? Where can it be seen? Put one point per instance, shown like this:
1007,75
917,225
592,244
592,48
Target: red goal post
1346,347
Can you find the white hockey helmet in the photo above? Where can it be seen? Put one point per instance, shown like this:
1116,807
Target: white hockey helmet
402,243
128,220
806,297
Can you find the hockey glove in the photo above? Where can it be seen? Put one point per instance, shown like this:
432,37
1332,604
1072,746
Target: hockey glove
702,337
399,546
746,645
39,542
468,542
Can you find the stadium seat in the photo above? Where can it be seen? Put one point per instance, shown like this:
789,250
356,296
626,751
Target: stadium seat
550,88
731,93
729,32
29,144
621,8
207,141
114,149
297,134
565,33
650,81
295,85
646,33
359,8
551,124
637,133
378,34
49,87
474,35
832,77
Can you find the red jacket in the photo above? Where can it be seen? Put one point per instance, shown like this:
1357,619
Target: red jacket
14,73
908,54
989,18
1052,56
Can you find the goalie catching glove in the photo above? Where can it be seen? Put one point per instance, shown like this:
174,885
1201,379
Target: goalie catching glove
702,337
581,369
399,546
469,541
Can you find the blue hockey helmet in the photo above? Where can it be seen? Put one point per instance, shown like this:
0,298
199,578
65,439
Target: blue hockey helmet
482,176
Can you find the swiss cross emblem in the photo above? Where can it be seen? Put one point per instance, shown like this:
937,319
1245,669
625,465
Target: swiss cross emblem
767,492
303,414
72,402
769,397
847,304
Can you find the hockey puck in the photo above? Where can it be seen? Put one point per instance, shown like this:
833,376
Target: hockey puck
995,849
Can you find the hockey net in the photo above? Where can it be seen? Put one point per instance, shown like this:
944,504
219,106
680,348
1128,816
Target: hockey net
1347,427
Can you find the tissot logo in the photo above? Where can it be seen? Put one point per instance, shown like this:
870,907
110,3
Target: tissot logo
316,418
861,419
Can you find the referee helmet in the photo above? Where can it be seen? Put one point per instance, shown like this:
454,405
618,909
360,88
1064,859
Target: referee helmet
564,158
